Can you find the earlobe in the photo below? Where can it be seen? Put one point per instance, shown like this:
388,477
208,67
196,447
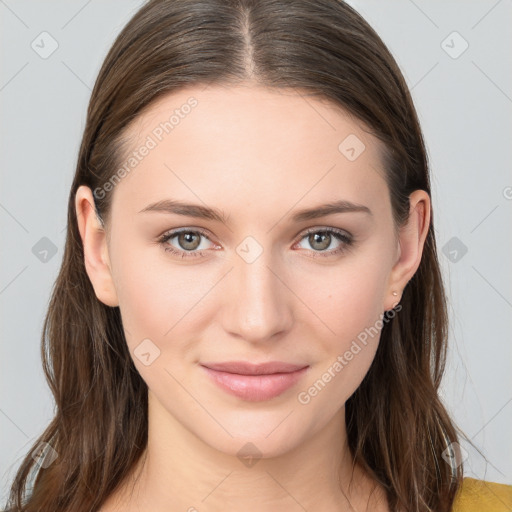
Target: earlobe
96,257
411,242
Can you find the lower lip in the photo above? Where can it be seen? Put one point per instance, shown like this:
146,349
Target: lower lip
255,388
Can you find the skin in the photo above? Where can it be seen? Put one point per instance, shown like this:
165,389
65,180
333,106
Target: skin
259,155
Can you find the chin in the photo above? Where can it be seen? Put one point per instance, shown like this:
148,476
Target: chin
260,434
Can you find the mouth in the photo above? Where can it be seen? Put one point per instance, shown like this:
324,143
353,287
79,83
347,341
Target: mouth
255,382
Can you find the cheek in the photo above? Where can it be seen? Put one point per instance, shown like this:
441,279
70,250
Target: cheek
346,298
156,298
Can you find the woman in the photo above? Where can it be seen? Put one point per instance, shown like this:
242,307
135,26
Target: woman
250,313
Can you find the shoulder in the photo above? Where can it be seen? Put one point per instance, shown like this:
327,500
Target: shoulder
479,495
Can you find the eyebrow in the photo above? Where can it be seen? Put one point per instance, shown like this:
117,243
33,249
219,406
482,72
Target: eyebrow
172,206
340,206
189,210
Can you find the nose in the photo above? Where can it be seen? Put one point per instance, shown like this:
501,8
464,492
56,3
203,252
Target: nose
257,304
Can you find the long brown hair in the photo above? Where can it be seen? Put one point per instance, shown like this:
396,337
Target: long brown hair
398,428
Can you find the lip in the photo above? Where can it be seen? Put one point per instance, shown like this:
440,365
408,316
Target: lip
255,382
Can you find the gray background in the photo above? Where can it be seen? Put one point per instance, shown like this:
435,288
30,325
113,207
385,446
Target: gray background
464,100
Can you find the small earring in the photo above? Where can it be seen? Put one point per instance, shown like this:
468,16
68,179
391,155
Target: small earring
396,303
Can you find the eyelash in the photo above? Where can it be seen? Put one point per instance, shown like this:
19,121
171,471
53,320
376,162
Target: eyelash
340,235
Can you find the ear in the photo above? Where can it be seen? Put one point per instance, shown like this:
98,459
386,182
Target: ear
94,241
412,238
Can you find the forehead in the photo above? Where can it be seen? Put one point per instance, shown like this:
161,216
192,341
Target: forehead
249,147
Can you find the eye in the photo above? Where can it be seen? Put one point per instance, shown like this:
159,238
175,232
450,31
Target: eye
321,239
188,242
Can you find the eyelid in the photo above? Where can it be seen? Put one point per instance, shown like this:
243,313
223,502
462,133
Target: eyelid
320,229
342,234
171,233
298,237
177,231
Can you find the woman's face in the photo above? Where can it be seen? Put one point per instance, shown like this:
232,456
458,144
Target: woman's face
258,280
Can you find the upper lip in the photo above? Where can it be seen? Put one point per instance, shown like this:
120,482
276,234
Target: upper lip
244,368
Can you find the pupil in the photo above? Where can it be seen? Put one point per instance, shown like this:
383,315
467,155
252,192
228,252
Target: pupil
188,239
322,238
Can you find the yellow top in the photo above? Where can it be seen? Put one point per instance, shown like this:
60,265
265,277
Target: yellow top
482,496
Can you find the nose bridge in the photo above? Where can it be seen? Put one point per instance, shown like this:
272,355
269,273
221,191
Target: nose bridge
257,305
